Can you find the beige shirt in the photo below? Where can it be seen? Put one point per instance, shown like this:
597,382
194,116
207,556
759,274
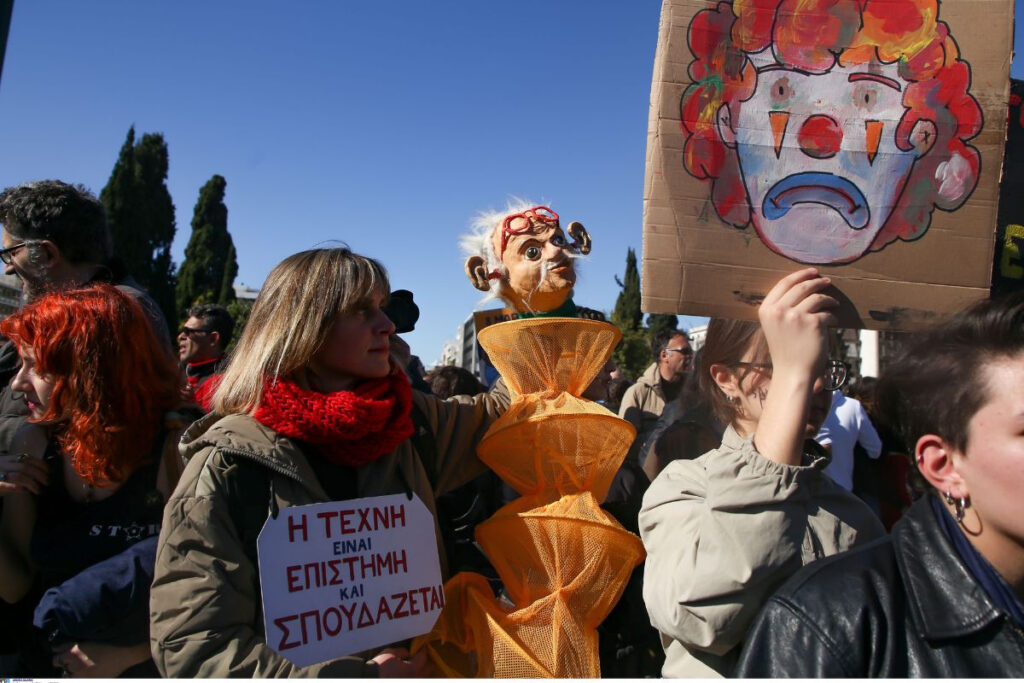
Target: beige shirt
722,532
642,405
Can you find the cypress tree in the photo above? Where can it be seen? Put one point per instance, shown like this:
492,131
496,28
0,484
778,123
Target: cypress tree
141,216
227,284
208,271
627,314
658,322
633,354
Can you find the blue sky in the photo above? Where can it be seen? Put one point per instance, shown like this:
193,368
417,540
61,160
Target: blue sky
386,125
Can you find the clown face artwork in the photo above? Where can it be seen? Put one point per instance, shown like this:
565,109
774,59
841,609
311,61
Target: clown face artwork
830,130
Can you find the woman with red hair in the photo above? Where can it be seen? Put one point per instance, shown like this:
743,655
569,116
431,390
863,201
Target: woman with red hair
87,482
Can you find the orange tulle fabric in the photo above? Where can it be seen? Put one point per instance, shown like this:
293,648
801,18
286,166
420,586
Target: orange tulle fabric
563,560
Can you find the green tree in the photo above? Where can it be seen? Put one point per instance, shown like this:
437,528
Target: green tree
661,322
141,216
633,354
207,274
627,314
239,310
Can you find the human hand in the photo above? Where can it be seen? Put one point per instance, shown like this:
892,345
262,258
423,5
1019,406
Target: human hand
98,660
795,316
396,663
22,472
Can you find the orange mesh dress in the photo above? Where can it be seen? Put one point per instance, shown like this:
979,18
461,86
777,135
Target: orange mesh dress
563,560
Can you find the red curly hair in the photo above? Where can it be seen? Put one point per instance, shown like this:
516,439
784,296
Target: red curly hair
814,36
113,380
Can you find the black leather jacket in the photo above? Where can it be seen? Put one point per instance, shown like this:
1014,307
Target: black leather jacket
902,606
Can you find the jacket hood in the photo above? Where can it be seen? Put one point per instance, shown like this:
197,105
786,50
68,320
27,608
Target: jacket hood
242,435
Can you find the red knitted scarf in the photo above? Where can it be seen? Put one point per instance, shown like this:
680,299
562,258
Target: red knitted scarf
351,428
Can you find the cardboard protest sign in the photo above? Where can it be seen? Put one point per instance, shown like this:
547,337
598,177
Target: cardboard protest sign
863,137
348,576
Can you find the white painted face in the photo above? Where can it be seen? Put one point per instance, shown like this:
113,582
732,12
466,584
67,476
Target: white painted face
819,157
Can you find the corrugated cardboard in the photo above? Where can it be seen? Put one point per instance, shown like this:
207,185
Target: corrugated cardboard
695,263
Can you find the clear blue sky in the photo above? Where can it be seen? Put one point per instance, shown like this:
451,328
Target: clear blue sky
383,124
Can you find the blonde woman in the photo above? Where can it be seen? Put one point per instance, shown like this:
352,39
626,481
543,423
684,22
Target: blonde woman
311,409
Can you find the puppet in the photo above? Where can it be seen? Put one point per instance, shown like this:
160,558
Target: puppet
522,256
834,127
564,562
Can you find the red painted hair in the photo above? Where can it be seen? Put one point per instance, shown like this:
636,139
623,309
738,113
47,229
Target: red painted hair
814,36
113,380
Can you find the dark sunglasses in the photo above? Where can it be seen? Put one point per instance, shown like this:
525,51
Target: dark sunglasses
189,331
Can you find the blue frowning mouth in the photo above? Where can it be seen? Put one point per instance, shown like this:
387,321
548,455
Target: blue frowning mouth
826,189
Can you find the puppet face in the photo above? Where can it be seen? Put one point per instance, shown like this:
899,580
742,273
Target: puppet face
819,158
539,263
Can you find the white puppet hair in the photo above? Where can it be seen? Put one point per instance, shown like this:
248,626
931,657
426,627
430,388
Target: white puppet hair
479,243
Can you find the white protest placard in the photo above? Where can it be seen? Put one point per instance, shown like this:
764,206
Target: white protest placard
348,576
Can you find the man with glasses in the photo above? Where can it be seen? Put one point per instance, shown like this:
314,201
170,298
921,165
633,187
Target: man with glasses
660,384
55,236
202,341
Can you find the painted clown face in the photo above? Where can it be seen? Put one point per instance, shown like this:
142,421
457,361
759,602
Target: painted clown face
819,157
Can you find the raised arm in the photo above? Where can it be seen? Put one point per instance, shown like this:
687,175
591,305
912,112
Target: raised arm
795,317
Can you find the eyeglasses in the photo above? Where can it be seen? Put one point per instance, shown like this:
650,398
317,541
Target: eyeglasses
686,352
835,375
540,214
189,331
7,255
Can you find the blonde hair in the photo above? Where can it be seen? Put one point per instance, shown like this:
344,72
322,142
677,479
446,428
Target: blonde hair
290,320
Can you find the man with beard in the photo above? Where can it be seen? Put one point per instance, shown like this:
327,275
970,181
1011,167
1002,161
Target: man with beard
55,236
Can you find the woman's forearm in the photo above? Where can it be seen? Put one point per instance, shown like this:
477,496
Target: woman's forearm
781,431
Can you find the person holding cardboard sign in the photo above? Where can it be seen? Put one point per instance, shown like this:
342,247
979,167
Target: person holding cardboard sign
310,409
724,530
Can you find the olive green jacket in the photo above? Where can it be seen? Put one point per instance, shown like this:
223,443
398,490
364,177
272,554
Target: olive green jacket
205,614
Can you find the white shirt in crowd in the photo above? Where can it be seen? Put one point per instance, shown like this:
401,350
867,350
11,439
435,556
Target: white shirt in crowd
846,425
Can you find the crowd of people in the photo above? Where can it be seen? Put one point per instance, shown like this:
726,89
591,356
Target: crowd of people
773,500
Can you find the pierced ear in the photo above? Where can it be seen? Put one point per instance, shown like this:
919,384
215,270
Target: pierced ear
937,465
723,117
477,273
725,378
580,236
922,136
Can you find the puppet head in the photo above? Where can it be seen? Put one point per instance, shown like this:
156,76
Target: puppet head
522,256
833,126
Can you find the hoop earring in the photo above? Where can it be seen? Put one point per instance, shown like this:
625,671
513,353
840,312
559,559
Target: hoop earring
960,505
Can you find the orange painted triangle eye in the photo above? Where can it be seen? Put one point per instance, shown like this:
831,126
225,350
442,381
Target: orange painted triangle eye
779,120
873,130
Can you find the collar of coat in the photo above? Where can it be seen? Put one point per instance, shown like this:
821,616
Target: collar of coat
243,436
945,601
